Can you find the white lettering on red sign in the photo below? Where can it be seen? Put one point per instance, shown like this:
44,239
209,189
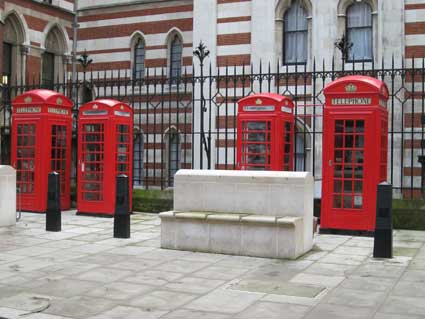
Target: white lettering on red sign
54,110
258,108
28,109
286,109
121,113
352,101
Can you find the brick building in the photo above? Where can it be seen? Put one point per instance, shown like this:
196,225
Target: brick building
127,39
36,40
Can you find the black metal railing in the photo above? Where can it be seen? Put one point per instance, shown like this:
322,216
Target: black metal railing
200,107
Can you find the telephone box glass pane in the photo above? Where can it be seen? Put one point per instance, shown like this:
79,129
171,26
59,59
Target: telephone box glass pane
122,154
256,145
25,158
58,153
93,161
287,147
348,164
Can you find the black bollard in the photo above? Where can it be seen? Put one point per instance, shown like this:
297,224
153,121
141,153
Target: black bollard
383,241
53,212
122,208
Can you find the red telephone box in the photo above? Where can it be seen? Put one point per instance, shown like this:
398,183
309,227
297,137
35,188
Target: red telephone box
355,148
105,150
265,133
41,143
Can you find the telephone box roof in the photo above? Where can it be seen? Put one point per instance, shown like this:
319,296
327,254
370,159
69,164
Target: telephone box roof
43,96
271,96
359,84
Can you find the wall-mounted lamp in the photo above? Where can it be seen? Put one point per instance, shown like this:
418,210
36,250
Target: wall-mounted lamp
4,79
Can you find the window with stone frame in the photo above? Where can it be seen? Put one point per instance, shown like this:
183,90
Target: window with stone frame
295,34
139,59
53,58
176,51
359,26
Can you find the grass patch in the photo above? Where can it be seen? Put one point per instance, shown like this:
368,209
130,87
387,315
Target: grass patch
152,200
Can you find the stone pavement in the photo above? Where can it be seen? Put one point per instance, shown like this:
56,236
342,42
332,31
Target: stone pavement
82,272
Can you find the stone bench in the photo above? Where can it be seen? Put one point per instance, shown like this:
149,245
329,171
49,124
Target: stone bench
262,214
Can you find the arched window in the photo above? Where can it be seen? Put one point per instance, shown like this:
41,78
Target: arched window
13,51
139,59
359,31
295,34
52,58
173,156
176,49
138,159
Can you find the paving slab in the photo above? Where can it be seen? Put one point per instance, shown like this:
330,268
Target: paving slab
162,300
355,298
270,310
126,312
64,287
218,301
194,285
80,307
409,289
404,305
368,283
328,311
104,275
190,314
119,291
319,280
154,277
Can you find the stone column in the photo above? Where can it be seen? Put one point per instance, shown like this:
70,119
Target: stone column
262,33
23,72
205,30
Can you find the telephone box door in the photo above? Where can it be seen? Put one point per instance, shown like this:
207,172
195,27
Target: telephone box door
256,138
92,166
60,157
25,161
345,187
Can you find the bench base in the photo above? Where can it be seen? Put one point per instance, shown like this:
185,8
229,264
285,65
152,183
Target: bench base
233,234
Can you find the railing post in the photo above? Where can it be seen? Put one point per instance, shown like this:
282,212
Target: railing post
53,211
122,208
383,241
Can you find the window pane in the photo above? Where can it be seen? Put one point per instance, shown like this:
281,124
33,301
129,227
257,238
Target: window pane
359,15
295,34
139,59
295,18
7,59
359,31
175,57
48,70
296,47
